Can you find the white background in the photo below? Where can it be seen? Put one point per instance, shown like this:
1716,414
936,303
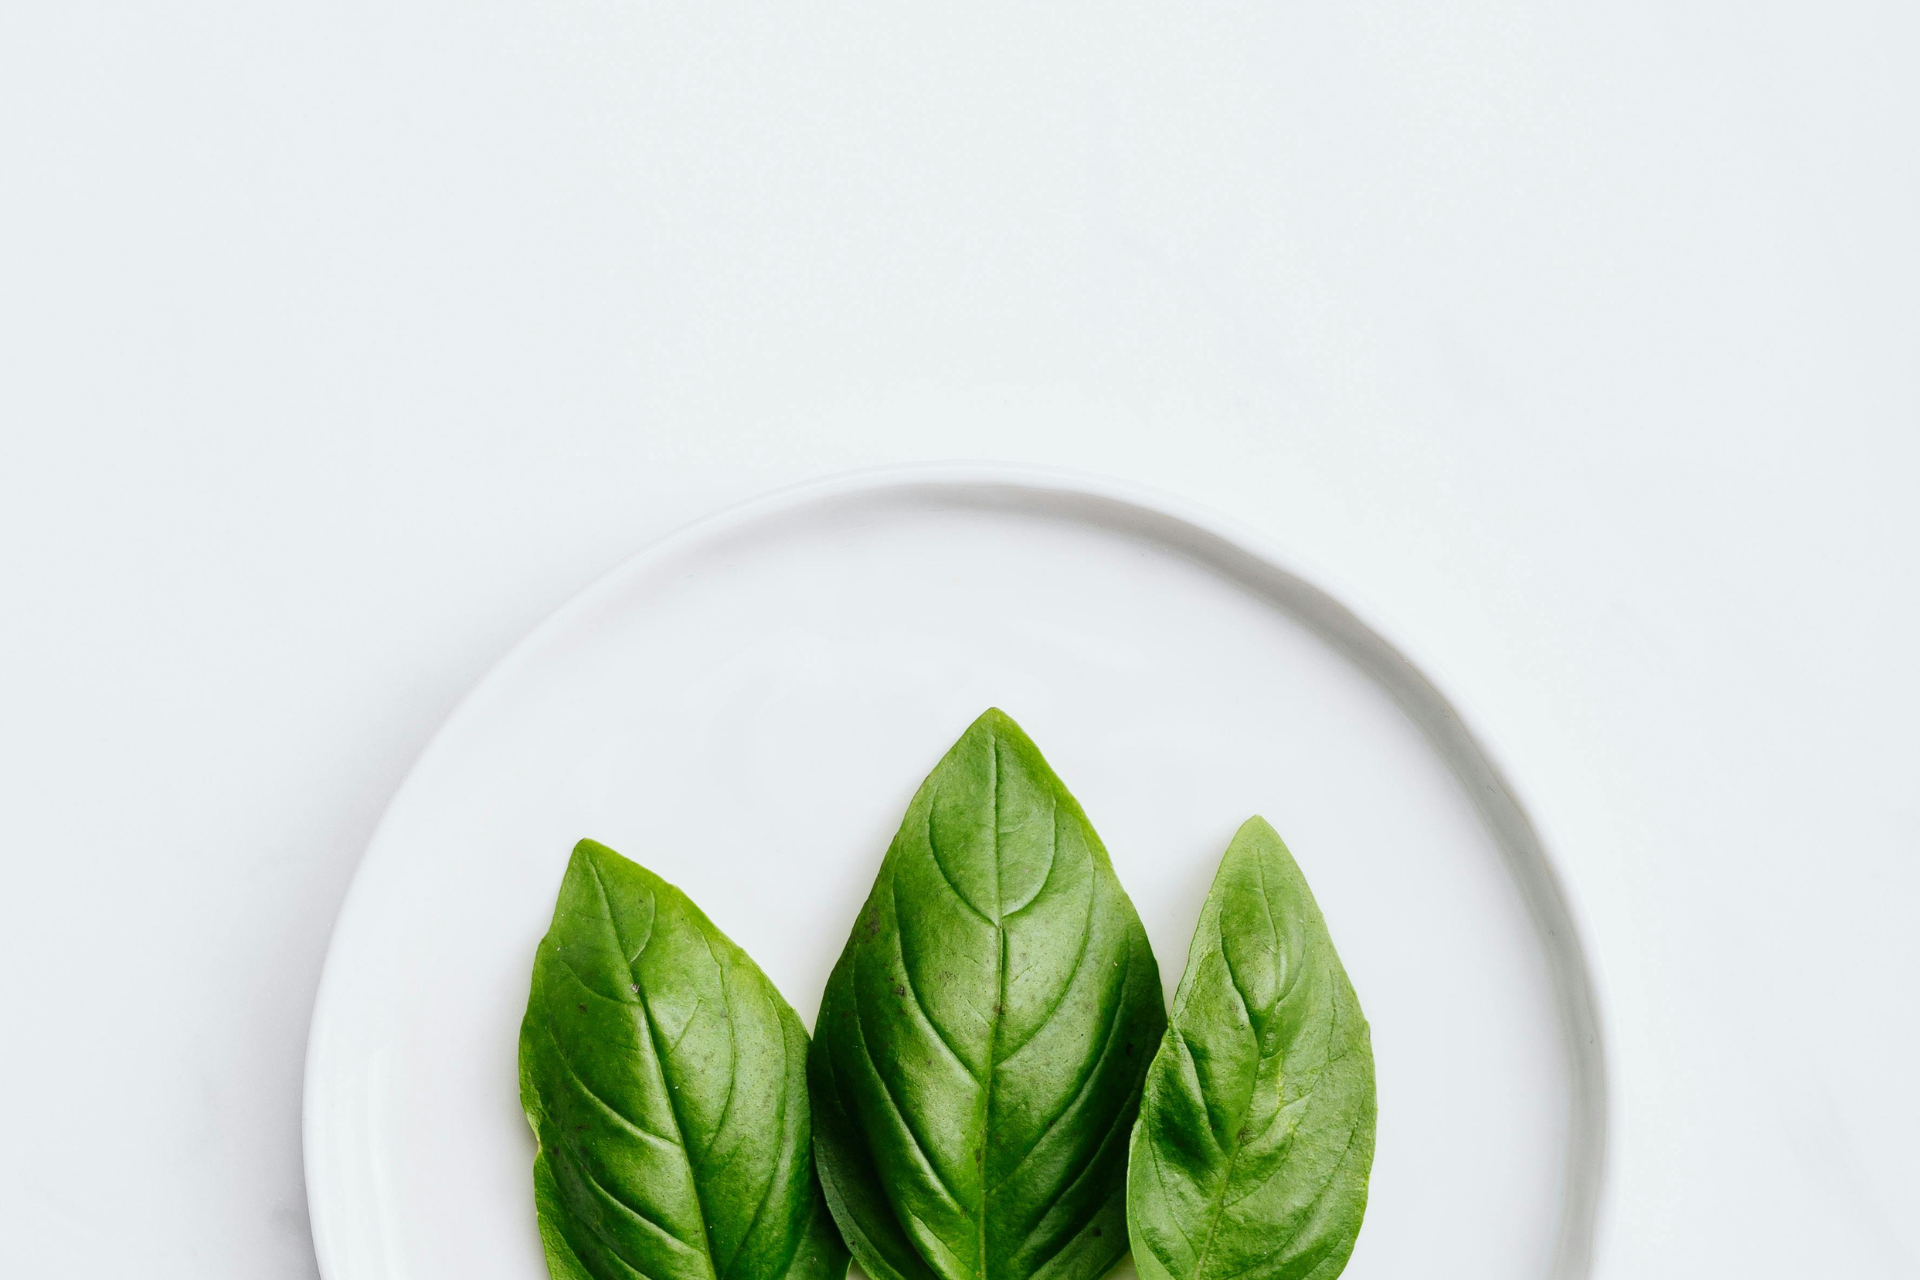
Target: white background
1578,345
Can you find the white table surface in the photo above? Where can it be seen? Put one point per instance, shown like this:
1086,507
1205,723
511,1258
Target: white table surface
1574,344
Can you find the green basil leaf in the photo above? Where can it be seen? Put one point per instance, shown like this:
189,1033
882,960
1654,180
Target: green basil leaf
1250,1160
977,1063
665,1079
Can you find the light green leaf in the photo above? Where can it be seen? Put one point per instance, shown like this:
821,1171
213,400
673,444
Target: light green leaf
1255,1138
665,1079
982,1040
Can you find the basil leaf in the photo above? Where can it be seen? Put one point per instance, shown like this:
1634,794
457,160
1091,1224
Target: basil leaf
1250,1160
665,1079
978,1058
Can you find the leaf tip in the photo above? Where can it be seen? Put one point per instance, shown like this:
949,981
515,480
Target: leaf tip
592,849
592,860
596,863
998,725
994,720
1256,828
1257,840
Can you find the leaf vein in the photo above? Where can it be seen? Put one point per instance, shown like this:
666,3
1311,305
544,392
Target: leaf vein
913,989
893,1103
1093,1073
1000,988
940,869
653,1043
773,1174
560,1055
586,1174
1091,1167
1079,958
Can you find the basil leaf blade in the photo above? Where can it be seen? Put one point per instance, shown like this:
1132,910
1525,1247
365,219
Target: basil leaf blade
1255,1139
664,1077
982,1040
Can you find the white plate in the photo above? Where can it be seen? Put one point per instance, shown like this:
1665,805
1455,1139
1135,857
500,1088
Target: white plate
747,706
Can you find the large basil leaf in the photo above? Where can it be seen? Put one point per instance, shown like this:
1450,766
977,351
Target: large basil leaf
1250,1160
977,1063
665,1079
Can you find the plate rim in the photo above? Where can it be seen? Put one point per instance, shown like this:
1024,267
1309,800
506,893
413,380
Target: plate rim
1227,546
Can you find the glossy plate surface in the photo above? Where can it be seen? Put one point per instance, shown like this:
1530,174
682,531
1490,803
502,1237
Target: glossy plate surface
747,706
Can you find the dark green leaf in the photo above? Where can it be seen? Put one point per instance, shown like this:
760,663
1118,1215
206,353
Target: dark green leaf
1250,1160
980,1048
665,1080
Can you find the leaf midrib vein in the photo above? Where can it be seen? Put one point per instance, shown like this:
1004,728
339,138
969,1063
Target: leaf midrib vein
1000,989
1239,1127
1086,940
1293,977
653,1040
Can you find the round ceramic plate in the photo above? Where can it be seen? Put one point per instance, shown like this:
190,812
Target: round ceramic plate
747,707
